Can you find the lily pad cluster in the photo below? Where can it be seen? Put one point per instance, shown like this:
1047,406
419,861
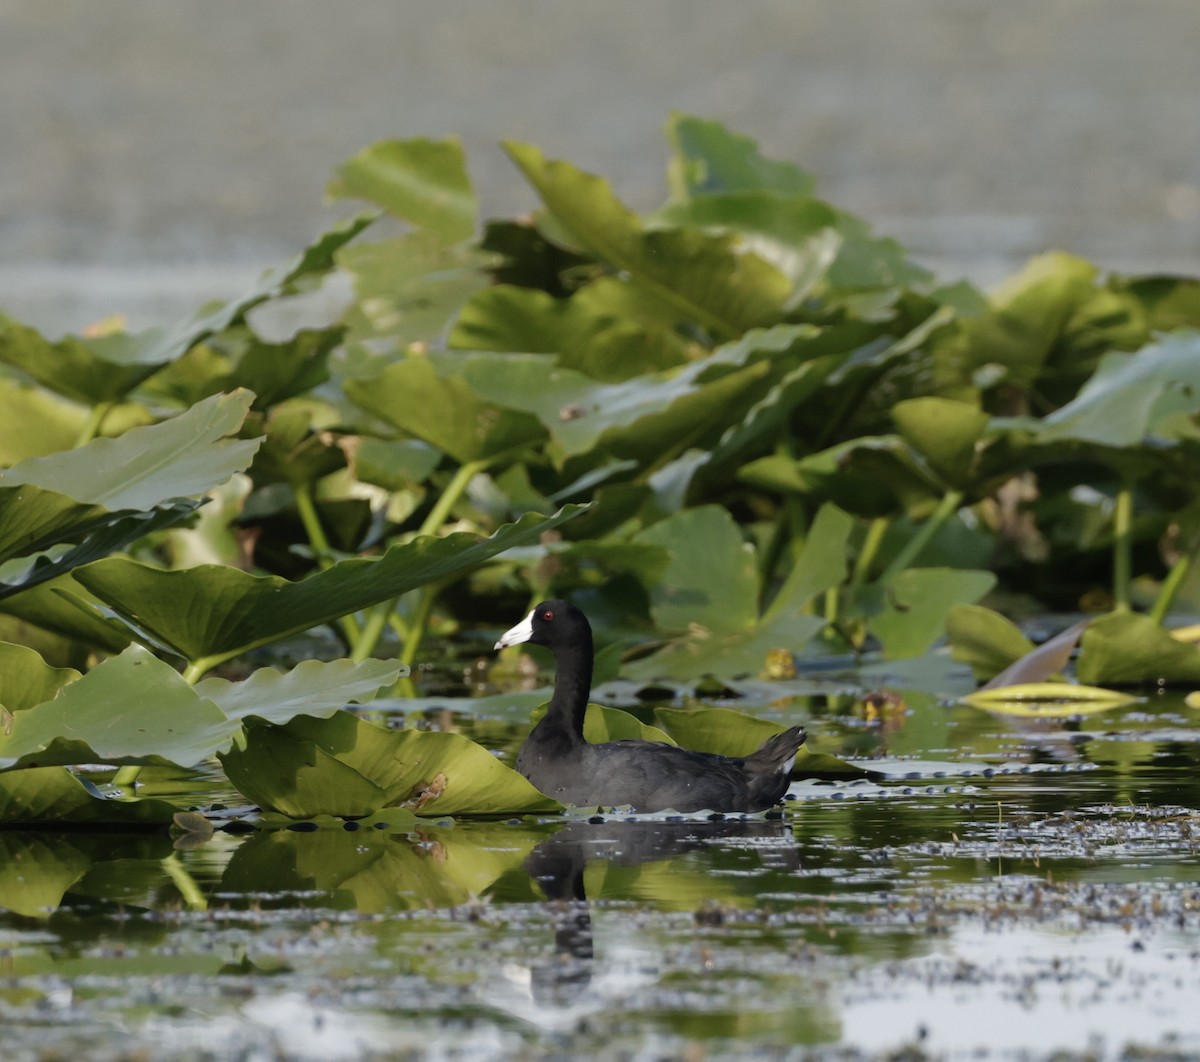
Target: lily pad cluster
741,430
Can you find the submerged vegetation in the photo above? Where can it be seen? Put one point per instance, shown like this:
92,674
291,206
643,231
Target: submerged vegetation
743,431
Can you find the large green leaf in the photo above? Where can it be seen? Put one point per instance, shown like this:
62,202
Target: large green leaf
43,520
915,603
984,639
710,160
129,709
52,796
34,422
134,709
28,679
212,613
640,417
408,288
1125,648
444,410
346,766
710,591
1133,399
697,277
312,687
44,607
711,581
89,371
176,458
729,733
419,180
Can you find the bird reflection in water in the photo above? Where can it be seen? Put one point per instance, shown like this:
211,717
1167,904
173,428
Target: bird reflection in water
557,992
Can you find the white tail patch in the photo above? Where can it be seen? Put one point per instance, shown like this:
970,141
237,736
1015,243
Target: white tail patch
788,764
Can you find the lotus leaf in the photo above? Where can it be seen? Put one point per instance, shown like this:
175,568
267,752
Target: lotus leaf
213,613
346,766
422,181
1124,648
53,795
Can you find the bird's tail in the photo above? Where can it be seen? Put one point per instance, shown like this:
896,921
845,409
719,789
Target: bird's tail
777,753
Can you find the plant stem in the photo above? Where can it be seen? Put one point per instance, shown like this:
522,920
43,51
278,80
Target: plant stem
194,672
377,621
127,776
1170,587
418,623
317,538
91,426
870,548
1122,548
947,507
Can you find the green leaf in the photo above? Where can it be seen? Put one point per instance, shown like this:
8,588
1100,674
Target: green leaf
53,795
422,181
1125,648
34,422
1047,700
312,687
1133,398
711,581
346,766
40,519
410,287
184,455
717,730
637,418
984,639
709,160
443,410
46,607
729,733
601,724
945,432
28,679
698,277
212,613
129,709
916,602
76,368
710,591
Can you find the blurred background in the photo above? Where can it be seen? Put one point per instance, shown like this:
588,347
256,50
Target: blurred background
157,155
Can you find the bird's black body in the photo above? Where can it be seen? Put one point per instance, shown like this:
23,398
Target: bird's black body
649,775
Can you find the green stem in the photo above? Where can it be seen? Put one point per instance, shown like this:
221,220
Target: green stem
1122,549
91,426
418,623
947,507
126,777
310,518
870,549
185,883
194,672
377,621
1169,588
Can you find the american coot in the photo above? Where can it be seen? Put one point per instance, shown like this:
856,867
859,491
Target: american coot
649,775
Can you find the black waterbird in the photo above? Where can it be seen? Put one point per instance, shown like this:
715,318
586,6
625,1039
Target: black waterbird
649,775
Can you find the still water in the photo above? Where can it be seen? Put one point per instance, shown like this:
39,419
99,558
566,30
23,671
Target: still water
1007,888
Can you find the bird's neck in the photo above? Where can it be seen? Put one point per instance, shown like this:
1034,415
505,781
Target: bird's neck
572,686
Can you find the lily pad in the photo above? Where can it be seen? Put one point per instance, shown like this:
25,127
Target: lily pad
1125,648
1035,700
984,639
349,767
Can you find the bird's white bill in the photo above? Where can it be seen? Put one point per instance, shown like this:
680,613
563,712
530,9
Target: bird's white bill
522,632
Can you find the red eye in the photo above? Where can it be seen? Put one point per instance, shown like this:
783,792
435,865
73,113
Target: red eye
547,615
